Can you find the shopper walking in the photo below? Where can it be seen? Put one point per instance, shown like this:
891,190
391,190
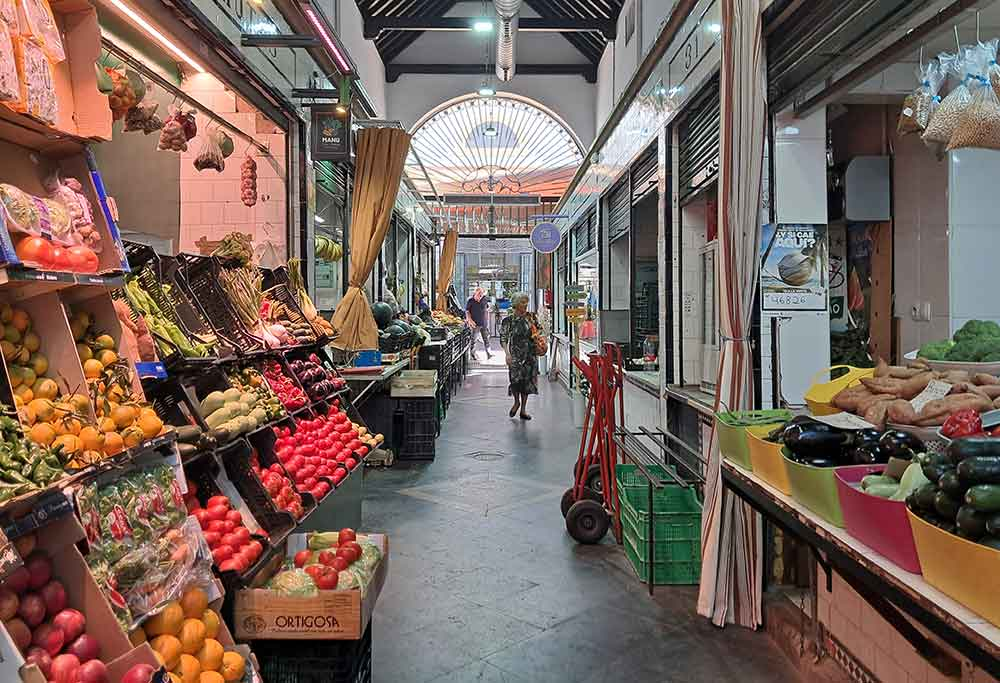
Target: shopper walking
517,337
475,315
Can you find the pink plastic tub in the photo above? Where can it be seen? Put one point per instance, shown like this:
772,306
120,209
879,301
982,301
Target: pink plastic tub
879,523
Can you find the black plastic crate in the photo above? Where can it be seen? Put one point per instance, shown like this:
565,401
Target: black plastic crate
431,357
201,277
417,409
188,309
280,293
417,447
236,461
315,661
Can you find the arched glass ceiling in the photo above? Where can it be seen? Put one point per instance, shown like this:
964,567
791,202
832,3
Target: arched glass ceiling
496,161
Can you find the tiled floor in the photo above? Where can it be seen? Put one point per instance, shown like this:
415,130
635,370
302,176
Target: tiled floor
486,585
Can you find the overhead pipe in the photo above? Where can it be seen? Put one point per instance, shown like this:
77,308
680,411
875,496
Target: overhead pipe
507,10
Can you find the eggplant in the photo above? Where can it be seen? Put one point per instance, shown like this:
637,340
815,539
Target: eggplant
822,462
866,437
898,444
814,439
867,455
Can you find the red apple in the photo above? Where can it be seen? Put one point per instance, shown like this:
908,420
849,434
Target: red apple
140,673
39,568
86,647
93,671
17,582
65,669
72,623
32,609
54,596
40,658
48,637
19,633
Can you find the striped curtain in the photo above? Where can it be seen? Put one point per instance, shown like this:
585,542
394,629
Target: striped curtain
446,268
732,534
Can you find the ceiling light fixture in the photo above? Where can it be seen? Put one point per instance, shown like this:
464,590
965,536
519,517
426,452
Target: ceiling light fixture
327,38
482,26
715,28
487,90
156,35
491,131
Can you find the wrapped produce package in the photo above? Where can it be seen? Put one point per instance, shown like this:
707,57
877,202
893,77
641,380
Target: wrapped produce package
10,87
38,92
37,21
918,105
945,118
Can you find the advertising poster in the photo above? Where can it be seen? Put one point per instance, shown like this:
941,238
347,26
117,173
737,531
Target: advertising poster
794,267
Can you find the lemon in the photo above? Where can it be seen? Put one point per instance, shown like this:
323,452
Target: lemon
32,342
84,352
39,363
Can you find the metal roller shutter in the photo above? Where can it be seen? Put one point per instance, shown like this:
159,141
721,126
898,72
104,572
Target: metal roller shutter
619,209
698,142
644,174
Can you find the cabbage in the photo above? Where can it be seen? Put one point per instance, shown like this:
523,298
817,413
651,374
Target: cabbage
347,579
370,556
913,478
294,582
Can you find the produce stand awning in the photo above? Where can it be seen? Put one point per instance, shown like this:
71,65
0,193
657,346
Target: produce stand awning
863,568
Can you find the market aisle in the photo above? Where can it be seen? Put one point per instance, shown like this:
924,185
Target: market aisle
485,584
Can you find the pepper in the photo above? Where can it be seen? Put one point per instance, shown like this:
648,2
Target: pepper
962,423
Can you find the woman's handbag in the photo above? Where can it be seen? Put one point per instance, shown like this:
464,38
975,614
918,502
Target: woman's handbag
541,345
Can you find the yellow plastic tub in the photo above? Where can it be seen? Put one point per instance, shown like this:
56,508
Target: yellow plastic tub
965,571
767,461
820,394
732,435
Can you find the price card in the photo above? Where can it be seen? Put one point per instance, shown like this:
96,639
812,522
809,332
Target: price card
844,421
935,389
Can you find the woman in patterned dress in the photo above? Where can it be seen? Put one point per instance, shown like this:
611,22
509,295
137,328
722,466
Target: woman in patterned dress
518,344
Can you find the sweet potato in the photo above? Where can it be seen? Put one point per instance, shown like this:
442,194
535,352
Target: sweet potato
865,404
984,379
901,412
877,412
941,408
913,386
847,399
884,385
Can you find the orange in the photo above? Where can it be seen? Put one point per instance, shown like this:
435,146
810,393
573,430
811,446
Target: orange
169,650
45,388
113,443
20,320
233,666
211,677
132,436
70,425
123,416
69,442
210,656
194,602
188,669
42,433
92,438
211,620
25,393
192,636
92,368
150,425
106,357
27,415
108,425
137,637
168,621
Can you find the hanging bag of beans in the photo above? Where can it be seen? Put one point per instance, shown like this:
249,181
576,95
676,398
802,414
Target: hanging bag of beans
979,123
944,119
917,106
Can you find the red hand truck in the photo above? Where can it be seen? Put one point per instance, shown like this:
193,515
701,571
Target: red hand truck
591,505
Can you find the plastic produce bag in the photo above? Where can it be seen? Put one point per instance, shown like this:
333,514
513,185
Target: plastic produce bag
123,96
210,155
69,193
945,118
172,135
143,117
31,215
38,92
917,106
10,88
36,20
979,124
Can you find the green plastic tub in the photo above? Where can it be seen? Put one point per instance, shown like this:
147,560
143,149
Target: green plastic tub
676,517
816,488
733,436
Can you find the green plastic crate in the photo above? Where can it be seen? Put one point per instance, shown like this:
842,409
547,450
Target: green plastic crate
676,527
733,438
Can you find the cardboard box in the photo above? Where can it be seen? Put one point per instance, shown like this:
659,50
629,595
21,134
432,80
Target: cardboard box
262,614
58,539
414,384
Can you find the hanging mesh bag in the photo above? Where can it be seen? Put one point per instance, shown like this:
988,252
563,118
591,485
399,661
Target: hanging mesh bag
945,117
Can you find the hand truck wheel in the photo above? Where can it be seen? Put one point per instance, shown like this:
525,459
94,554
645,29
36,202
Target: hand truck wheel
594,482
587,521
569,498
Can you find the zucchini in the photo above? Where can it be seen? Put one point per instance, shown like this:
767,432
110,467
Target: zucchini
984,497
971,522
219,417
990,542
188,433
220,435
874,480
186,450
924,497
951,484
972,447
946,506
980,469
231,395
212,402
993,524
882,490
934,465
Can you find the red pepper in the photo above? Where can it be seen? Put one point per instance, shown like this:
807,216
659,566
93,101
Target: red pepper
963,423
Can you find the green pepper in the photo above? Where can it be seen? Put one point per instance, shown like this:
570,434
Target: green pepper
10,491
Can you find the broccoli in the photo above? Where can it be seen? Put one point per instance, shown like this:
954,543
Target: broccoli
935,350
977,329
974,350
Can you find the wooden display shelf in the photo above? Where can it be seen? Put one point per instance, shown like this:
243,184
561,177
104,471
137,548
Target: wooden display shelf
894,589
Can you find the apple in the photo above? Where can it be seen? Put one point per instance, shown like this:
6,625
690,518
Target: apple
71,622
139,673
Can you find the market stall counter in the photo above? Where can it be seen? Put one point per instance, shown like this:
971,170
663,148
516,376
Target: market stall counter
889,589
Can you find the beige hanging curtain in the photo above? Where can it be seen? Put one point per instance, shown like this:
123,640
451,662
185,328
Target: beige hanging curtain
732,536
446,268
379,169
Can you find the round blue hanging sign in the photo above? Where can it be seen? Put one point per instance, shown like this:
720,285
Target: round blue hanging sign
545,237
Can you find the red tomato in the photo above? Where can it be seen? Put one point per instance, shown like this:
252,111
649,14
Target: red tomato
229,566
347,552
351,463
217,500
231,540
340,564
241,564
84,259
326,557
235,517
202,516
313,570
356,547
217,525
327,580
256,547
242,534
35,251
246,556
61,259
212,538
227,527
309,483
302,557
221,554
346,535
217,512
